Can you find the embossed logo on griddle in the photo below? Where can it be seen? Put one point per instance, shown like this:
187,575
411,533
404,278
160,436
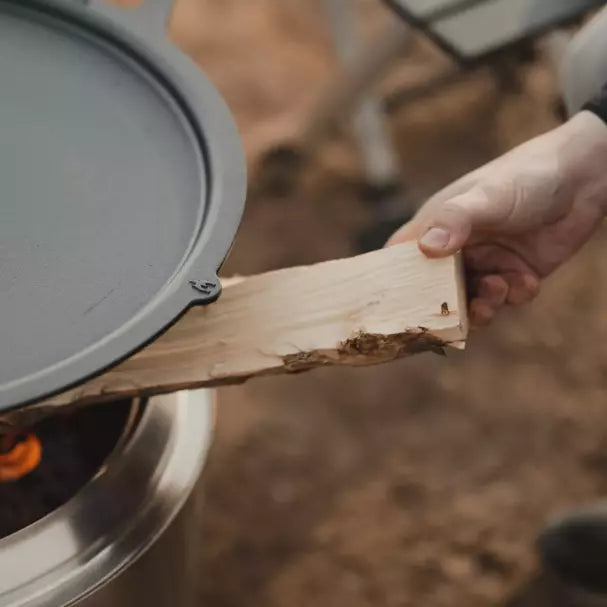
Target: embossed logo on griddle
206,287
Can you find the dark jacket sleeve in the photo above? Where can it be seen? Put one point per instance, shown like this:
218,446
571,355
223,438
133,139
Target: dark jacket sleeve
598,104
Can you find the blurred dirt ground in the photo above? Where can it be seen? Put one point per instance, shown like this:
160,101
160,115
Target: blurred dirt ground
423,482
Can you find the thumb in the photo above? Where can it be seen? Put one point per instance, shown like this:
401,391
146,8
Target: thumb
445,228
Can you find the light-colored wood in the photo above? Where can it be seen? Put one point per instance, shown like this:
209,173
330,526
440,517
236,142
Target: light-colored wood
357,311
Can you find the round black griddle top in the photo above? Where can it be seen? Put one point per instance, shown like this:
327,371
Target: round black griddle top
121,188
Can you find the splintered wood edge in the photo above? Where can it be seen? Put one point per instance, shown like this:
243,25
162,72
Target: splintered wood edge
363,310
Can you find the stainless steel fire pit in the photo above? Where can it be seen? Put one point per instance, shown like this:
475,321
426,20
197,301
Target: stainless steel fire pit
124,537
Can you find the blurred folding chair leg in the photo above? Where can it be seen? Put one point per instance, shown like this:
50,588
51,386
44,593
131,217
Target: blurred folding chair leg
584,65
374,143
351,94
349,99
344,97
556,45
354,97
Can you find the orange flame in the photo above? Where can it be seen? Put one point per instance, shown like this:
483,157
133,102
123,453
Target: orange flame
22,459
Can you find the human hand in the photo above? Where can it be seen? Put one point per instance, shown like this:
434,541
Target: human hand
521,216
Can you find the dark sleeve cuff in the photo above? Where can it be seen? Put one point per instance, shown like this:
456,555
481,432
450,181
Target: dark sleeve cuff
598,105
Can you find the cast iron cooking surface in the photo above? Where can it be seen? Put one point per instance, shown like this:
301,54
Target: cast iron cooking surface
103,195
78,155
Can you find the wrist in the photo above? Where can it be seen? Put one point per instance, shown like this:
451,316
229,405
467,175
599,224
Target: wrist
583,158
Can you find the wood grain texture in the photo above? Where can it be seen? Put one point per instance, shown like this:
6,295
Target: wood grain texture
358,311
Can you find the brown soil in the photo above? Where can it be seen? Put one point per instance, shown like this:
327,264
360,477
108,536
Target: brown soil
422,482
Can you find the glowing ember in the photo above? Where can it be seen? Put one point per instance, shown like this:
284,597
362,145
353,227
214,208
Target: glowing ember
22,459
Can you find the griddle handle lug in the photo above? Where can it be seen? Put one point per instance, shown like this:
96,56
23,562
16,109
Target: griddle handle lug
204,291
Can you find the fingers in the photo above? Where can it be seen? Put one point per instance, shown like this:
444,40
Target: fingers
492,289
500,275
441,230
489,293
445,223
440,233
406,233
441,223
446,227
522,288
481,313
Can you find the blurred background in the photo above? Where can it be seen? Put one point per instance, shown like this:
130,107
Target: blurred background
426,481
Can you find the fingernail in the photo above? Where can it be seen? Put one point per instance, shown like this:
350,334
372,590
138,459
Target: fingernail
435,238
